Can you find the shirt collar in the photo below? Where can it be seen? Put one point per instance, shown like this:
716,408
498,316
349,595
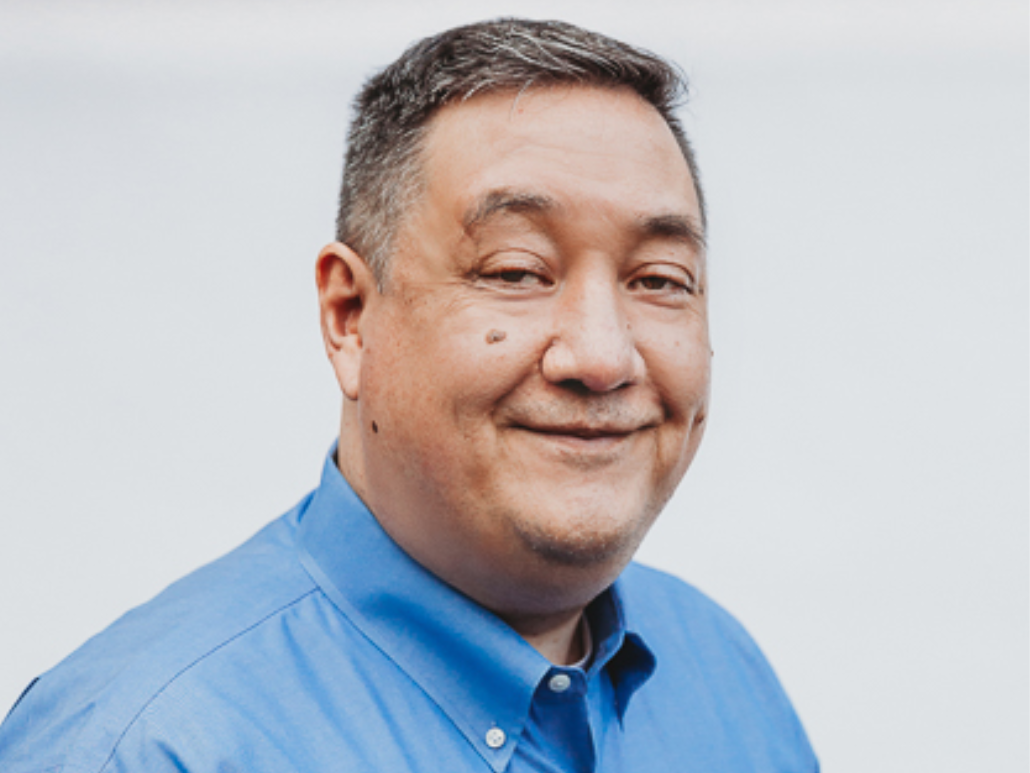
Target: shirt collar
621,650
474,666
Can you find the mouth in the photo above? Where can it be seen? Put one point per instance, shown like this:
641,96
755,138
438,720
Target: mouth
581,433
583,440
596,431
587,449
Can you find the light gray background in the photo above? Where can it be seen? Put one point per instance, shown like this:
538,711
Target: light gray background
168,173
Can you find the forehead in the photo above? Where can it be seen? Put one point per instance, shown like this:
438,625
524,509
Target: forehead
582,147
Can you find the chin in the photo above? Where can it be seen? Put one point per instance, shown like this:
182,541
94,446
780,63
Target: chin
574,553
591,541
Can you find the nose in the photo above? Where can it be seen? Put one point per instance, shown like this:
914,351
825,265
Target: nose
592,345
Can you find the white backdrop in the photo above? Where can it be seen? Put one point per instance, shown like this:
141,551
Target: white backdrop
168,171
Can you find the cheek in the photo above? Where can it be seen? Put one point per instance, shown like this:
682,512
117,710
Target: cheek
678,359
453,367
681,372
486,349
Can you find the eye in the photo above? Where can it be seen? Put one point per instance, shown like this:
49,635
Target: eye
661,283
517,278
657,283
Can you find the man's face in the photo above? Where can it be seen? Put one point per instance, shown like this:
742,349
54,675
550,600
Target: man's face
534,377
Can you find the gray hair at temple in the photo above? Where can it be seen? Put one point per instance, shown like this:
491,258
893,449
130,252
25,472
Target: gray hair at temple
382,172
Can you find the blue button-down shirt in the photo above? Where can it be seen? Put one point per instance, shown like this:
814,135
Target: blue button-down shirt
319,646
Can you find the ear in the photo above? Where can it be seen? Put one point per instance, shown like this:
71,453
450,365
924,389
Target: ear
345,286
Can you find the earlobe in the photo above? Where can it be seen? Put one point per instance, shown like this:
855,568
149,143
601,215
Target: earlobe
344,285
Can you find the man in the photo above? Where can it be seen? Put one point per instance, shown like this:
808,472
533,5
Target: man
515,310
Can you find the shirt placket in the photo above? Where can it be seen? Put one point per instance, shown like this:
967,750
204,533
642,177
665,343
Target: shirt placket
558,734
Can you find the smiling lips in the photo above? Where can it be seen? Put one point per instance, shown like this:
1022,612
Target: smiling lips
582,432
586,446
612,428
601,420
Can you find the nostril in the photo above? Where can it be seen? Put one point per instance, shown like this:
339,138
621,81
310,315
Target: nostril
575,386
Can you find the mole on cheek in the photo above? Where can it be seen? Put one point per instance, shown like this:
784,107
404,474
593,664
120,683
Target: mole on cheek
495,336
375,427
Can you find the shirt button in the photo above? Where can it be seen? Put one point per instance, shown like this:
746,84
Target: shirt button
559,683
495,738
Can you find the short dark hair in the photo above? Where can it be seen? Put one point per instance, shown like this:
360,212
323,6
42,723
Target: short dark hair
382,171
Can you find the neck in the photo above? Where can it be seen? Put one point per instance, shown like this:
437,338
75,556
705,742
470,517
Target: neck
557,637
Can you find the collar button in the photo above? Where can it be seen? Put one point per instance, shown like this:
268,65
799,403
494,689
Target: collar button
559,683
495,738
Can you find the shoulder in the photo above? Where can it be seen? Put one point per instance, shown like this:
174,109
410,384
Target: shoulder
657,599
73,716
702,651
676,617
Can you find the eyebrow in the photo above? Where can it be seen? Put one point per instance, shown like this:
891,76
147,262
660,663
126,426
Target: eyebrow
682,228
506,201
678,227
